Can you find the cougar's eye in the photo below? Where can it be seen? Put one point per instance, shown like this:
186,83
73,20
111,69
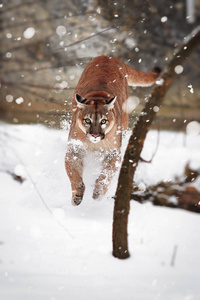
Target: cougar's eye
87,121
103,121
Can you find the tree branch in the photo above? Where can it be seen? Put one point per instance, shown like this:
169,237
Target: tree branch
136,141
83,40
50,19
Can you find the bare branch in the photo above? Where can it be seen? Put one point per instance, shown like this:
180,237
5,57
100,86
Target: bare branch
27,44
155,12
36,69
50,19
38,86
83,40
14,7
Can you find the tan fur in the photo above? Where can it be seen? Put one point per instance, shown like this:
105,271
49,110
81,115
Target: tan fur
100,95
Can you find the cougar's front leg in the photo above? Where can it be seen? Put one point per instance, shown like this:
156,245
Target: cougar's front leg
109,167
74,167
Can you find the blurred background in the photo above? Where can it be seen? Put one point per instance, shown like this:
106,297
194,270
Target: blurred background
46,44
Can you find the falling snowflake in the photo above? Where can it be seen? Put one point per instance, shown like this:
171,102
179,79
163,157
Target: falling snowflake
9,35
178,69
29,33
193,128
131,103
9,98
156,108
19,100
160,81
61,30
191,88
164,19
8,54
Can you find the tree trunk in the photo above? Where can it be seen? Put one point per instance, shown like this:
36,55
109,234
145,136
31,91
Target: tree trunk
135,145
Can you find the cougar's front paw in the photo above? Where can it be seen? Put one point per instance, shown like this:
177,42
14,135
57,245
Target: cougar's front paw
77,193
97,193
77,199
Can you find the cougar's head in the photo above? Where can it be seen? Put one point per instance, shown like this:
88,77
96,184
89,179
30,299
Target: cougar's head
95,118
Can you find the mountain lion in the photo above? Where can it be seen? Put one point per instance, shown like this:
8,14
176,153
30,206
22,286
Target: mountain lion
99,116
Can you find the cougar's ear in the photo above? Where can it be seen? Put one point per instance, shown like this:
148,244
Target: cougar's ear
110,102
80,101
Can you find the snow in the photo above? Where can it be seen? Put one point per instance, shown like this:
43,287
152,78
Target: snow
191,88
9,98
178,69
164,19
61,30
19,100
29,33
193,128
52,250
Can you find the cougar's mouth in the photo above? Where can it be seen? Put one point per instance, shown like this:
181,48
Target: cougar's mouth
95,138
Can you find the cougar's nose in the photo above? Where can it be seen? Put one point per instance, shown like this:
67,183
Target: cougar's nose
95,135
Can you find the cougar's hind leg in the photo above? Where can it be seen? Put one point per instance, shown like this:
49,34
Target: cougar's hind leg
74,168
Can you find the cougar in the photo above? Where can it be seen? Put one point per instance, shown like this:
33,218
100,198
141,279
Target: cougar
99,116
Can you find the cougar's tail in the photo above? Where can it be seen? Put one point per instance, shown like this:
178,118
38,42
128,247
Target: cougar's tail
138,78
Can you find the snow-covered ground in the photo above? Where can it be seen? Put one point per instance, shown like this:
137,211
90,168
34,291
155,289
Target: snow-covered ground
50,250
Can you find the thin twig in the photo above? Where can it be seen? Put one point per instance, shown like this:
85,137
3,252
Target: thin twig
83,40
35,69
39,193
155,12
38,86
174,254
14,7
64,17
